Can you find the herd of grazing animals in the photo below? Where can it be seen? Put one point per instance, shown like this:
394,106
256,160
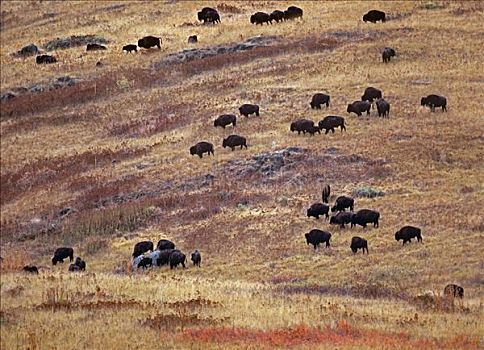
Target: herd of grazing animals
144,254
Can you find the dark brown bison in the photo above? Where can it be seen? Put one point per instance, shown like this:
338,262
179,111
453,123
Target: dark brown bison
387,54
62,253
374,16
302,125
164,244
164,257
192,39
208,14
293,12
45,59
317,209
233,141
371,94
453,291
277,16
406,233
326,193
80,263
358,107
224,120
342,218
31,269
176,258
318,100
247,109
383,108
201,148
433,101
260,18
73,268
343,202
145,263
142,247
359,243
196,258
364,217
149,41
331,122
316,237
130,48
95,47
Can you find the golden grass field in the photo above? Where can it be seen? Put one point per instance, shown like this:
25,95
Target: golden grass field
115,148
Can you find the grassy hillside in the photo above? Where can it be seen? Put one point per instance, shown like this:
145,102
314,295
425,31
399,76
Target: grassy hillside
114,148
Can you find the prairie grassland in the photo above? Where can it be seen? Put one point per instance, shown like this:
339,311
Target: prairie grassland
115,148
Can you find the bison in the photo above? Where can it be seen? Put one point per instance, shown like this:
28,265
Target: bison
374,16
277,16
317,209
95,47
387,54
201,148
293,12
342,218
364,217
260,18
326,193
164,244
142,247
315,237
31,269
176,258
331,122
62,253
130,47
247,109
208,14
359,243
149,41
433,101
164,257
453,291
358,107
343,202
303,125
406,233
318,100
192,39
383,108
233,141
145,262
224,120
371,94
45,59
80,263
196,258
73,268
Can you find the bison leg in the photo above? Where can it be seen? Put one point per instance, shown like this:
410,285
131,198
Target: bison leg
376,224
233,147
200,155
332,129
327,244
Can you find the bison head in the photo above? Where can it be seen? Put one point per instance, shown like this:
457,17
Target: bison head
216,122
224,143
200,16
459,292
423,101
365,18
332,220
349,109
193,150
398,236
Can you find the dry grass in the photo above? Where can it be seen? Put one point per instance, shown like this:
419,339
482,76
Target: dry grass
115,148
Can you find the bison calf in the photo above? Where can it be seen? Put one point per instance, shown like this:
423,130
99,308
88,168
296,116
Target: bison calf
433,101
359,243
316,237
31,269
331,122
201,148
224,120
130,48
318,209
233,141
364,217
387,54
383,108
318,100
406,233
145,263
196,258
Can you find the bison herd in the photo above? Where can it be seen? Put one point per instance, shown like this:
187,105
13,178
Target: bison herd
292,12
145,256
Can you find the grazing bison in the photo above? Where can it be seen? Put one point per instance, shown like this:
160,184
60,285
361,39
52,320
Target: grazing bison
233,141
224,120
371,94
406,233
95,47
62,253
374,16
359,243
149,41
342,218
196,258
31,269
364,217
176,258
145,262
433,101
358,107
201,148
293,12
387,54
208,14
277,16
130,47
164,244
80,263
164,257
453,291
302,125
315,237
317,209
73,268
383,108
318,100
343,202
192,39
247,109
312,129
326,193
45,59
142,247
260,18
331,122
